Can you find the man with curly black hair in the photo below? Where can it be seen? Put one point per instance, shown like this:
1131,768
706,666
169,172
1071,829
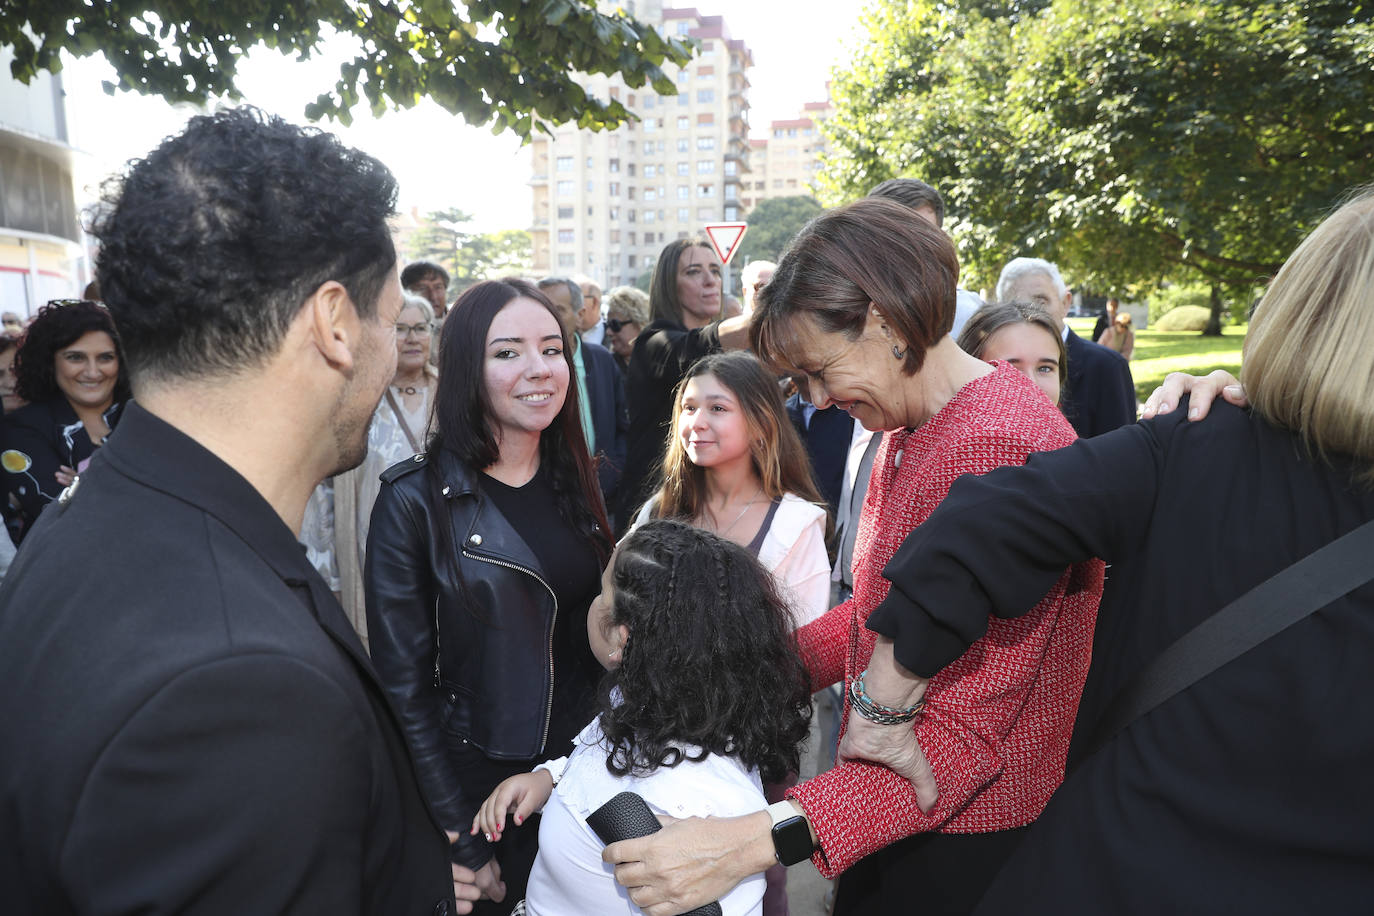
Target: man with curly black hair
189,723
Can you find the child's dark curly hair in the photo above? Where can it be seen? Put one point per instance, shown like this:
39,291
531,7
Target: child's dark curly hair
711,659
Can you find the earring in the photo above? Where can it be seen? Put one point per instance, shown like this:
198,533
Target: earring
899,354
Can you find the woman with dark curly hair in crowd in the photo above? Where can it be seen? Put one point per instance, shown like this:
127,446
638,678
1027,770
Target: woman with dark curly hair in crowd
483,556
70,371
705,696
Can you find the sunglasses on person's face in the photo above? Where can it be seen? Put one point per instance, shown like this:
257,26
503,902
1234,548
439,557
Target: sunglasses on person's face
615,324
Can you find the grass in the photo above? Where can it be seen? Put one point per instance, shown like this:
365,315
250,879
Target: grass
1157,353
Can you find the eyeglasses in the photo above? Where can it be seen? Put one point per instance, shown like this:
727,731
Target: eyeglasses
615,324
419,330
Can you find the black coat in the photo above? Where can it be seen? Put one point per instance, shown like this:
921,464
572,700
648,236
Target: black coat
1248,792
49,435
610,418
188,724
454,676
1101,392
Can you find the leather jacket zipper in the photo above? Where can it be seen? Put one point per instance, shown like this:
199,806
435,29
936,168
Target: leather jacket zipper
548,711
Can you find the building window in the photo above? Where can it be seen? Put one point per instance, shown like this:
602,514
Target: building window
591,235
631,170
682,144
632,236
791,182
630,193
705,213
629,260
777,182
706,190
591,211
648,216
565,236
591,163
683,215
630,217
731,167
650,101
731,213
650,125
565,212
682,169
613,165
682,122
649,194
706,143
706,95
613,189
684,27
683,192
567,188
682,100
591,186
649,171
615,236
567,259
682,77
777,133
565,164
706,166
731,192
614,213
706,70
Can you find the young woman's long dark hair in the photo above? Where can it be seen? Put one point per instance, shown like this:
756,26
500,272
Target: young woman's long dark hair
462,411
778,455
711,660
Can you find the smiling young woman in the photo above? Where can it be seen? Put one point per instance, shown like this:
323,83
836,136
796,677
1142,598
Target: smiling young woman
483,556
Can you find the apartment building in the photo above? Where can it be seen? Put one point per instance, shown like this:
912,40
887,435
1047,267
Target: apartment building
41,253
785,162
605,203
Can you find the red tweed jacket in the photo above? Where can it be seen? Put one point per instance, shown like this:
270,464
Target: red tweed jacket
997,721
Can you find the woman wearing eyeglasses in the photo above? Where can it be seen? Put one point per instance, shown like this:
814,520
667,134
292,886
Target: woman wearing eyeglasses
336,519
70,371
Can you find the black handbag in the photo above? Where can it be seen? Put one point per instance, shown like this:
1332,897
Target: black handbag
1267,609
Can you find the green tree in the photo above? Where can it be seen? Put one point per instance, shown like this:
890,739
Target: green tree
511,62
774,223
1135,143
470,257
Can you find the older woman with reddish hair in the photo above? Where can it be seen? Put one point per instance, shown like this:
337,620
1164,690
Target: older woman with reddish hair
861,306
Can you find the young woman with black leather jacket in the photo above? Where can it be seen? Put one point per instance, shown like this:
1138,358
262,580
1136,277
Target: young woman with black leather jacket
483,556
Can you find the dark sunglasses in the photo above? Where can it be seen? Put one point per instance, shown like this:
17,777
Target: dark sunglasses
615,324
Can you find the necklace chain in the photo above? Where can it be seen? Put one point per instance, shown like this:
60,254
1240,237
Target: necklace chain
726,530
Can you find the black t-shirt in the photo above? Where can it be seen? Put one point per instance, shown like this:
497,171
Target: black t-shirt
568,563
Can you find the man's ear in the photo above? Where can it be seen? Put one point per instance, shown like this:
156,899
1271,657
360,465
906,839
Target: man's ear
333,324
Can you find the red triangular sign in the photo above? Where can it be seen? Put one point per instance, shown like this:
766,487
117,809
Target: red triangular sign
725,238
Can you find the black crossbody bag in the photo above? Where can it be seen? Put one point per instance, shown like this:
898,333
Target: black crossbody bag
1267,609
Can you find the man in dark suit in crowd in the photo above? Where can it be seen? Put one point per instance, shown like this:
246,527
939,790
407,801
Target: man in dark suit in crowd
601,388
188,723
1101,392
826,434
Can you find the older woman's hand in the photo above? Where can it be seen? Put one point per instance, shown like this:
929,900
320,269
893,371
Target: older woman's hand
894,746
1203,388
691,862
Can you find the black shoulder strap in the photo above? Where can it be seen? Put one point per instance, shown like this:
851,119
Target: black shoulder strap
1266,610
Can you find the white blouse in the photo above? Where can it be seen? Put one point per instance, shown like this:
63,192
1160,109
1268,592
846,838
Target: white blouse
569,878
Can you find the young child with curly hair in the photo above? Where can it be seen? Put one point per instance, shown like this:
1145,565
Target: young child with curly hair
704,696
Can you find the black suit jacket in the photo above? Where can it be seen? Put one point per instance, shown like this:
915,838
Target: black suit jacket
827,444
188,724
610,419
1101,395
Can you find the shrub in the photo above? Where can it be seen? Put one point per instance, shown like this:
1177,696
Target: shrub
1184,318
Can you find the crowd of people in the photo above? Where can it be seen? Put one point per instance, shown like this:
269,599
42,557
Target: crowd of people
335,591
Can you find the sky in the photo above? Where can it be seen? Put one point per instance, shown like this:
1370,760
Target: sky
439,160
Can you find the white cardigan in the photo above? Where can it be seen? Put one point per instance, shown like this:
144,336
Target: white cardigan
793,550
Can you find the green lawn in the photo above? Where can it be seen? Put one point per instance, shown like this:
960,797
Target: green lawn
1157,353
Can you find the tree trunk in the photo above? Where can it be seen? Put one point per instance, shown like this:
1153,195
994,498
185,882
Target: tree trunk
1213,328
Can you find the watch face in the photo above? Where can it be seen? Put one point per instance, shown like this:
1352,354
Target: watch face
792,840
